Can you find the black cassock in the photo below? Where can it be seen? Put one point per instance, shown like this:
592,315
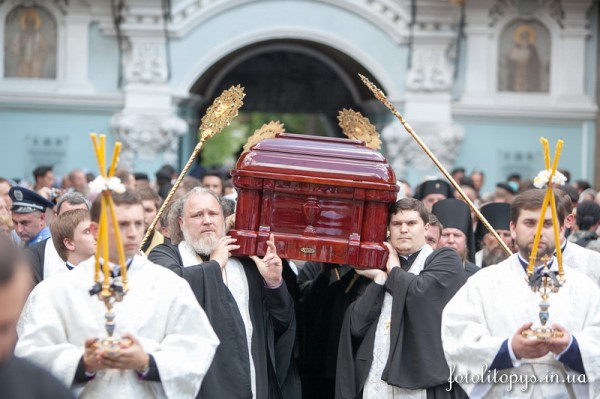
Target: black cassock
273,326
323,303
36,255
416,358
20,379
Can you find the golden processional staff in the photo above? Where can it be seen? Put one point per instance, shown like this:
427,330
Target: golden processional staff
218,115
381,97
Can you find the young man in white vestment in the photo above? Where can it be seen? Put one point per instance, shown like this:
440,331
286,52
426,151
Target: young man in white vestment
482,325
172,341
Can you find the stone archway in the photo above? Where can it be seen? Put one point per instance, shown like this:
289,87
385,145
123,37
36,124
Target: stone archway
283,78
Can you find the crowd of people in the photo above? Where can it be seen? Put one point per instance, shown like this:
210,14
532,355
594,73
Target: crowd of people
197,322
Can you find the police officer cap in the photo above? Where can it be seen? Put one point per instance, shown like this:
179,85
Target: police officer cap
27,201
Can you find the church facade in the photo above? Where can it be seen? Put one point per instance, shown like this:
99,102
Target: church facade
479,81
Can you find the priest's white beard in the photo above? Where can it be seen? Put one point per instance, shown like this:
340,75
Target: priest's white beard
203,246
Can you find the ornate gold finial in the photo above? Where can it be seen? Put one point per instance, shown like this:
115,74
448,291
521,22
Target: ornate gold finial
221,112
218,115
356,126
266,131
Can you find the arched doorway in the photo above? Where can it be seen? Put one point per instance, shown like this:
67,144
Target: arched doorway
302,84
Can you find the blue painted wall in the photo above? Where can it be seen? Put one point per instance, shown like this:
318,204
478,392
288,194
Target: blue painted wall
17,126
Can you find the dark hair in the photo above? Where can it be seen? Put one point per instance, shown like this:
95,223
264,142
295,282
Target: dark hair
128,197
213,173
5,180
435,222
41,171
410,204
564,200
228,206
73,198
10,259
532,200
582,184
148,194
588,214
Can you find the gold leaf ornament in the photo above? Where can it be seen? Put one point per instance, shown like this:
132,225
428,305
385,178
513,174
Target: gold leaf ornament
266,131
358,127
221,112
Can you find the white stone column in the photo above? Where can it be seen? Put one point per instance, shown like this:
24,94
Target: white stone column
76,57
148,125
572,47
428,102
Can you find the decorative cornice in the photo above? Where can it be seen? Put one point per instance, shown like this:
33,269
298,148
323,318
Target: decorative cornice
392,16
63,102
525,110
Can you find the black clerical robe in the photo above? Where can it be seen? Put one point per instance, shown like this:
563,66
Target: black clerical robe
323,303
273,336
36,255
20,379
471,268
416,358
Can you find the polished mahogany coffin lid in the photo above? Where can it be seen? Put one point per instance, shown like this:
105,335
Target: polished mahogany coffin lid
315,159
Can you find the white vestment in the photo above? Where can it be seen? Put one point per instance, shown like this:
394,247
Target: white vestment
375,387
53,264
490,308
160,310
479,258
583,259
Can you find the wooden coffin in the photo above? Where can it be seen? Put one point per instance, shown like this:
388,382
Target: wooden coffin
324,199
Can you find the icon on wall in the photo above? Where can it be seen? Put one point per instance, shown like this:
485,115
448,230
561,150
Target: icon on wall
30,37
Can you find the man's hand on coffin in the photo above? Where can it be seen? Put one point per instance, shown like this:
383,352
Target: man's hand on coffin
270,266
528,348
559,344
223,251
377,275
131,357
92,361
393,258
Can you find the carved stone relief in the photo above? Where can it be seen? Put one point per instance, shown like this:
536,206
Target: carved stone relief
443,139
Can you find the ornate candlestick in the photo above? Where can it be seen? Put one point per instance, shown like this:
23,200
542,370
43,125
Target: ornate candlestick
112,288
546,281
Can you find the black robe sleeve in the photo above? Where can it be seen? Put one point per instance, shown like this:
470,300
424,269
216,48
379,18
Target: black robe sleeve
355,351
416,359
35,256
167,255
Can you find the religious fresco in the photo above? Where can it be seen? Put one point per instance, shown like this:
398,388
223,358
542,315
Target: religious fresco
524,58
30,38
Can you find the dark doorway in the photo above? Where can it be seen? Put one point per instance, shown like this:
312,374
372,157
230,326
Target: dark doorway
302,84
